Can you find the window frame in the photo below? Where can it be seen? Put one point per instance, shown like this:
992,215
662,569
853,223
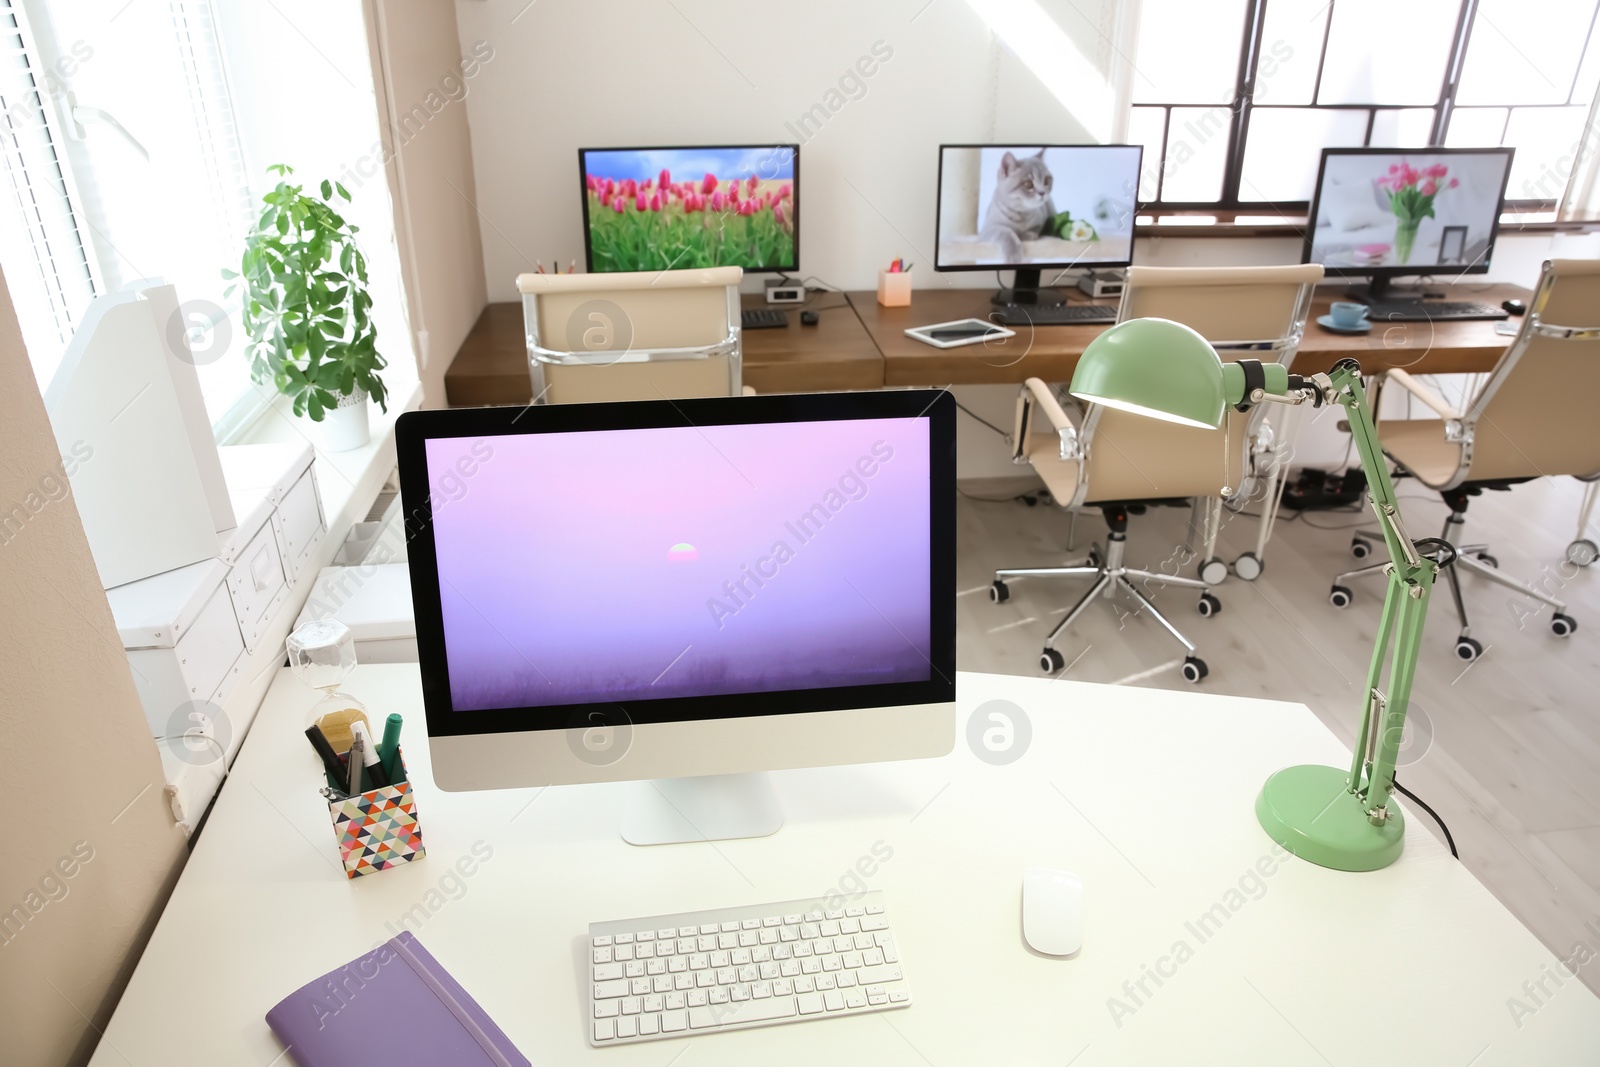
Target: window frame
1243,106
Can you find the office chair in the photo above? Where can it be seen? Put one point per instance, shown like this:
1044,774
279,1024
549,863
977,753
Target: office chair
1122,462
1533,416
634,335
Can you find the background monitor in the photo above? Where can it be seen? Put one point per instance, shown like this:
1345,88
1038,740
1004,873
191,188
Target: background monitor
1032,207
1383,213
674,589
683,208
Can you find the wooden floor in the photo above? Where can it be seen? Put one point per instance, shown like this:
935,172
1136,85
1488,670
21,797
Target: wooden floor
1513,762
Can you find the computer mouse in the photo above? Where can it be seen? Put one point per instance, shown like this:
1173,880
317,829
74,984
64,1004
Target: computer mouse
1052,911
1513,307
808,318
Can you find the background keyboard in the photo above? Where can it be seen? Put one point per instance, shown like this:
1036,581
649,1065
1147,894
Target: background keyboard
1432,311
762,319
1053,314
736,968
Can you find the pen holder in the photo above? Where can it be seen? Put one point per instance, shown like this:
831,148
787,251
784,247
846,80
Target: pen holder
377,829
894,288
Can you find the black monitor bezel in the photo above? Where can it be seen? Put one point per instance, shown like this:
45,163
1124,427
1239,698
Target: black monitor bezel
413,429
583,174
938,210
1409,270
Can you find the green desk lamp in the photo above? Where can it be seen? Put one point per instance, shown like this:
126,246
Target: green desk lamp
1167,371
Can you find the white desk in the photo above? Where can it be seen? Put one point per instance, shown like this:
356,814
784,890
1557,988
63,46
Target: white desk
1148,794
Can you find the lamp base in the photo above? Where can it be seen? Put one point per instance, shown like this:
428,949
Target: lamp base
1308,811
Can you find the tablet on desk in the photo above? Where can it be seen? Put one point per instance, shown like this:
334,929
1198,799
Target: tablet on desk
959,332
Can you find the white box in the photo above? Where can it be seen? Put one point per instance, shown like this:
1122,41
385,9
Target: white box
298,524
257,586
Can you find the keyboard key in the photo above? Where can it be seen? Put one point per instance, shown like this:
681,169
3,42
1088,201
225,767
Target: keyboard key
601,941
652,1004
645,935
602,955
877,998
630,1005
622,953
804,984
618,988
719,996
748,1012
791,920
729,927
607,1009
761,990
649,1025
810,1003
833,1000
604,1029
873,957
850,926
674,1021
771,921
855,912
899,996
855,999
874,909
876,975
874,922
826,981
627,1027
624,939
638,986
708,928
697,998
633,969
782,988
671,931
605,972
675,1000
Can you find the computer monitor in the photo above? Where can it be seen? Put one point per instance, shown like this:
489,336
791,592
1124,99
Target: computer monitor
682,208
1385,213
688,590
1029,208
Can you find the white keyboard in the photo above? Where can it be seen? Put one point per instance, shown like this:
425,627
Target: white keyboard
732,969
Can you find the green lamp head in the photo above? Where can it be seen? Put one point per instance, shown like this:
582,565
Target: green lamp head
1153,367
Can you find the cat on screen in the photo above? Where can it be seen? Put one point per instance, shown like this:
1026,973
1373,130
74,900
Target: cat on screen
1021,207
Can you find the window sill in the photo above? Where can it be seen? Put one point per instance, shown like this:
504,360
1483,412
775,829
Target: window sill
1194,224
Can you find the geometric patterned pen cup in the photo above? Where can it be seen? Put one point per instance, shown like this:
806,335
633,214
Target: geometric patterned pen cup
377,829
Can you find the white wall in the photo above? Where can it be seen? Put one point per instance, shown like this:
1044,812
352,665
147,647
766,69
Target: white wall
90,847
621,73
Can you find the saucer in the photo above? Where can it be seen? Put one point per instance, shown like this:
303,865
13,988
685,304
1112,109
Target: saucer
1327,323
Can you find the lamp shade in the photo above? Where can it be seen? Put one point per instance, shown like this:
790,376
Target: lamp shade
1153,367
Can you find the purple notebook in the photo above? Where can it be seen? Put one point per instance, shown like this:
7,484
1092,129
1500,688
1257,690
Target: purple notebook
395,1007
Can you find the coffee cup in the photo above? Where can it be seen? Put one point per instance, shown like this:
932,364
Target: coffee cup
1348,314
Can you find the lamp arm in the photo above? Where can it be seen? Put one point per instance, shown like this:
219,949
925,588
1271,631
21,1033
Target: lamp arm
1411,574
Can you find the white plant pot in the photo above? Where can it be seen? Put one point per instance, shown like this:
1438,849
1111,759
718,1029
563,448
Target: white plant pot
344,428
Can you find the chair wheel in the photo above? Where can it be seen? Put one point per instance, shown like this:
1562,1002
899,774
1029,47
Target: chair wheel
1563,625
1485,558
1051,661
1095,559
1209,605
1360,549
1248,567
1339,597
1194,669
1213,571
1583,552
1467,649
998,593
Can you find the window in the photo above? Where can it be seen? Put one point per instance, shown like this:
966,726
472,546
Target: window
147,171
1235,99
47,267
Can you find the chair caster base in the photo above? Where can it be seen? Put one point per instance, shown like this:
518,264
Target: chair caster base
1213,571
1209,605
1248,566
1339,596
999,593
1194,669
1359,548
1583,552
1468,649
1563,625
1051,661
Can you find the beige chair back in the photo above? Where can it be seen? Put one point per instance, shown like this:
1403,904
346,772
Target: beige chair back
1539,412
1249,312
639,335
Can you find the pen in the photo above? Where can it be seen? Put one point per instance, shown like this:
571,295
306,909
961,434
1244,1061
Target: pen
369,756
330,758
354,758
390,749
907,267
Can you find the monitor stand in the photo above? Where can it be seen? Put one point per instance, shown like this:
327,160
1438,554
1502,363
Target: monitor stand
1025,290
713,807
1379,291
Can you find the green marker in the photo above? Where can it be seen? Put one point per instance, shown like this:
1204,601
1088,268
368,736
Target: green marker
389,751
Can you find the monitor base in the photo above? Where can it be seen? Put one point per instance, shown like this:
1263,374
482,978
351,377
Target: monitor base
714,807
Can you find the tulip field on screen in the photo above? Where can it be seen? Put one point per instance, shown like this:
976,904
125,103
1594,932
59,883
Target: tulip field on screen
668,223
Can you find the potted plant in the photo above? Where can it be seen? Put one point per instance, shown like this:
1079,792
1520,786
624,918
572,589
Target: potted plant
307,312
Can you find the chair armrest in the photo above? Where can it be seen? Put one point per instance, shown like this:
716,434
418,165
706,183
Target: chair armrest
1036,394
1440,406
748,390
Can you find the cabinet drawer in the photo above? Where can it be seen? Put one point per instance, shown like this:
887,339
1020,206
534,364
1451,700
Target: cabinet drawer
297,524
257,586
203,666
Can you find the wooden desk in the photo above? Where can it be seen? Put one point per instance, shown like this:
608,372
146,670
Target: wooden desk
491,366
1147,794
1051,352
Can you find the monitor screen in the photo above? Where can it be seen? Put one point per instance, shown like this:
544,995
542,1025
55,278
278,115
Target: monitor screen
683,208
686,568
1384,212
1026,207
